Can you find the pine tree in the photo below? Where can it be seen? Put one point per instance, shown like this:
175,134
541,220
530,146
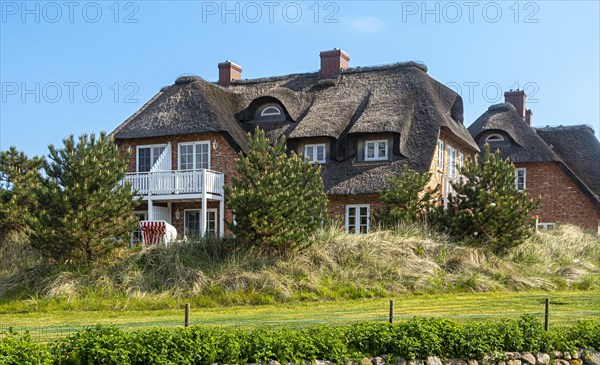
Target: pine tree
406,198
486,208
83,209
278,200
18,174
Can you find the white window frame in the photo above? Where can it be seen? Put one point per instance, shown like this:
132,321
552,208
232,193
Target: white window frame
194,161
357,218
208,211
545,226
315,146
440,156
494,138
524,178
376,156
151,147
461,160
451,164
266,113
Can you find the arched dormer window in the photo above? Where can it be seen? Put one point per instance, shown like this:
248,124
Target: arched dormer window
494,138
270,111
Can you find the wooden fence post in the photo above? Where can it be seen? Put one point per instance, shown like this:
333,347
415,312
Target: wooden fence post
187,315
547,315
391,311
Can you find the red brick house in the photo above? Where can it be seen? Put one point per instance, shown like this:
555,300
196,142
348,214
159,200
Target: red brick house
361,124
559,164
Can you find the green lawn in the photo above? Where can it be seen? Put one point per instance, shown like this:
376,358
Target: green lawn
565,307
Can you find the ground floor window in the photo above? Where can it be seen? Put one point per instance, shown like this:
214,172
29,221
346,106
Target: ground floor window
191,222
543,226
520,178
137,234
358,218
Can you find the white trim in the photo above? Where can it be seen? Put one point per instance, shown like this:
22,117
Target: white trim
440,156
266,113
179,145
494,138
376,156
151,146
524,178
208,211
451,166
461,160
545,226
315,146
357,218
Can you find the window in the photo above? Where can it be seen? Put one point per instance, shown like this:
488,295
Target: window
494,138
440,155
191,222
376,150
520,178
147,156
451,161
315,153
545,226
141,215
194,156
270,111
358,218
461,160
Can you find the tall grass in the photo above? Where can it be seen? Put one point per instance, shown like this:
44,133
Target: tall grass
409,258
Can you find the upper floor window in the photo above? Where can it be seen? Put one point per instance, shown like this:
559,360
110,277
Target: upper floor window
376,150
520,178
270,111
494,138
194,155
461,160
147,156
440,155
451,161
315,153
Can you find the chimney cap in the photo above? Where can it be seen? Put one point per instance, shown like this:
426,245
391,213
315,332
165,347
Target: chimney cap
230,64
335,52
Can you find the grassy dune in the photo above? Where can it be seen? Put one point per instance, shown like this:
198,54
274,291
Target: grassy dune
407,260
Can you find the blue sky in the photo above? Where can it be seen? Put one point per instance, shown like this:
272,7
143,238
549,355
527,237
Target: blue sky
75,67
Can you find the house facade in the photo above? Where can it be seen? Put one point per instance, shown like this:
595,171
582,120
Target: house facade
360,124
560,165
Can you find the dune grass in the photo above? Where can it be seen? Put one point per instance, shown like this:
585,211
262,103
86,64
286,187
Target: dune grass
407,260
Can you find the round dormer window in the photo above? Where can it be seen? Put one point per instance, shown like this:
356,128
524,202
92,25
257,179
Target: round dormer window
270,111
494,138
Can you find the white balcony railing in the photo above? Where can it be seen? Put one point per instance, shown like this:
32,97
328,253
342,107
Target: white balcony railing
176,182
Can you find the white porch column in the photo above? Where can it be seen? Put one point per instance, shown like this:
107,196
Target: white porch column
170,215
203,213
222,218
150,210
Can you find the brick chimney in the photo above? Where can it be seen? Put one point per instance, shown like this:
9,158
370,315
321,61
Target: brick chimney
333,62
528,116
229,71
516,98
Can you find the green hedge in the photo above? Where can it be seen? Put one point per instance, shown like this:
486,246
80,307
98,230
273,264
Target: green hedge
417,338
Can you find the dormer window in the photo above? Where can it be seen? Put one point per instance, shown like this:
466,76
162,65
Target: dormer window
494,138
270,111
376,150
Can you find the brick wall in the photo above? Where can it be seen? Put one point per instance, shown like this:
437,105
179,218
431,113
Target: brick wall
562,200
337,205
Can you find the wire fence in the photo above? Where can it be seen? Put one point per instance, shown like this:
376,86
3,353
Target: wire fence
561,314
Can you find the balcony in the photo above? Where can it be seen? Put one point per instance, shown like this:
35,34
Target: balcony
183,182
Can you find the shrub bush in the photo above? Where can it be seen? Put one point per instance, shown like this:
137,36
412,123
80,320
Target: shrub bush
416,338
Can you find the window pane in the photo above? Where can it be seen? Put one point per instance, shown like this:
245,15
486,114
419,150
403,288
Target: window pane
310,153
382,149
144,162
187,157
321,153
370,150
192,223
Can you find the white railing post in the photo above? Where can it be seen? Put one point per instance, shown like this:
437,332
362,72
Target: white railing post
203,214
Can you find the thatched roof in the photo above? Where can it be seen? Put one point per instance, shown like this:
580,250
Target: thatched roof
525,145
191,105
579,149
575,149
399,99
